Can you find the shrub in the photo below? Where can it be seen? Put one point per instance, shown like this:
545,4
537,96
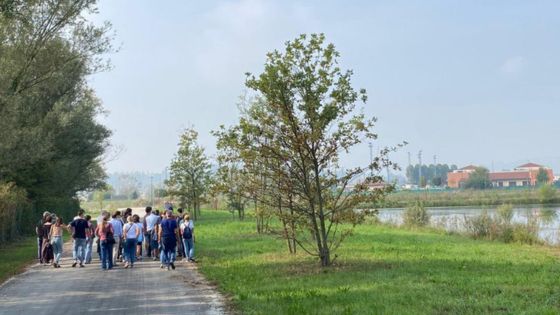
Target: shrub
505,213
479,226
547,193
416,215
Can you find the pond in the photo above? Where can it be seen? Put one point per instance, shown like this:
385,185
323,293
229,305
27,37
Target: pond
453,218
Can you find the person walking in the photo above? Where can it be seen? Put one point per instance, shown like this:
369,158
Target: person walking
39,233
78,229
89,239
136,220
57,230
130,233
187,236
168,239
117,224
105,233
47,255
150,222
180,249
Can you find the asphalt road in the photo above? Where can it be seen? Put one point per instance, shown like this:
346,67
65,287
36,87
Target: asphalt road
145,289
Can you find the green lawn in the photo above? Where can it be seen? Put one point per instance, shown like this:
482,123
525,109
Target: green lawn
380,270
14,257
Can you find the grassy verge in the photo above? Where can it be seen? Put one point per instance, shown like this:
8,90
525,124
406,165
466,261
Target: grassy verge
447,198
379,270
14,257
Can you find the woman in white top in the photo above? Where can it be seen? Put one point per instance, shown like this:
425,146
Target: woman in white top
130,235
187,235
136,220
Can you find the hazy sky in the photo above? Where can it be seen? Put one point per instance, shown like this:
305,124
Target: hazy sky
469,81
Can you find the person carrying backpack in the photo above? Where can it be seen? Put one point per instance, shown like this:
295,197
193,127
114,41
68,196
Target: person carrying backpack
47,254
187,235
168,239
106,236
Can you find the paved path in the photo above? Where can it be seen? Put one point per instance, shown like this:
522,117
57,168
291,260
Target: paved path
145,289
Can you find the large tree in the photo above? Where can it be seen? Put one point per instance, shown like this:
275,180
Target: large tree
51,142
190,172
303,119
542,177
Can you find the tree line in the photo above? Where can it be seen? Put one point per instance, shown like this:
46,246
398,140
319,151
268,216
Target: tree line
51,144
433,174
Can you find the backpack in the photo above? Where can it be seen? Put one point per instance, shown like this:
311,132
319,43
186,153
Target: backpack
109,237
187,233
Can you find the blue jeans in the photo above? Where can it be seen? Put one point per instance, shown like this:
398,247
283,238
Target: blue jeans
188,246
79,250
148,240
130,250
89,249
168,245
56,243
106,255
39,248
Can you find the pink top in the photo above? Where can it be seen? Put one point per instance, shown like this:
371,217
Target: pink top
102,233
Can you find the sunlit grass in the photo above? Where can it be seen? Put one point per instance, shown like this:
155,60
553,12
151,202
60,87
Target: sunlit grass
379,270
15,256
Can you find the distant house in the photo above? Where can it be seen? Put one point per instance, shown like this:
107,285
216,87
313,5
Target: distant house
457,178
522,176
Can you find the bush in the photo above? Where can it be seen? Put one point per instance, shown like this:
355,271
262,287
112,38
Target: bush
16,213
500,228
416,215
547,193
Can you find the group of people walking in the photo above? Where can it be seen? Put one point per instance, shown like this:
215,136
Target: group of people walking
120,237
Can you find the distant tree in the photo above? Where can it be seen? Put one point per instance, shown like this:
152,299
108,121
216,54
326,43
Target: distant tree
190,172
437,181
423,182
479,179
542,177
134,195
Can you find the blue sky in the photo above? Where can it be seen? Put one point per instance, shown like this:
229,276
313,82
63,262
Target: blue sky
473,82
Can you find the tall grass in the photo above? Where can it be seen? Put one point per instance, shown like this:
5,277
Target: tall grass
466,197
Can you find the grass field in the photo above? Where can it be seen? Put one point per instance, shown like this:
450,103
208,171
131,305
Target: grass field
380,270
14,257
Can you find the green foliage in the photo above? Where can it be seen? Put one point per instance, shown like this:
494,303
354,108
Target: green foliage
542,177
16,213
548,193
290,138
51,143
479,179
500,227
380,270
189,173
416,215
435,174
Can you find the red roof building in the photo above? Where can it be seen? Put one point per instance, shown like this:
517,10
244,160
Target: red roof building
522,176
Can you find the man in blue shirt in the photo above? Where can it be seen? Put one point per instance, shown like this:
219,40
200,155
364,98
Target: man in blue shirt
167,237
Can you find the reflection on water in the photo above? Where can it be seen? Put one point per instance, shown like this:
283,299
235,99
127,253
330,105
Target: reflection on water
453,218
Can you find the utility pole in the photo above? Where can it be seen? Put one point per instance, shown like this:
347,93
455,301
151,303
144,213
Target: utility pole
419,167
435,160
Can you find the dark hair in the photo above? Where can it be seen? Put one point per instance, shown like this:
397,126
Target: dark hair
116,214
180,210
148,209
156,212
128,211
58,220
88,217
48,219
136,218
81,212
